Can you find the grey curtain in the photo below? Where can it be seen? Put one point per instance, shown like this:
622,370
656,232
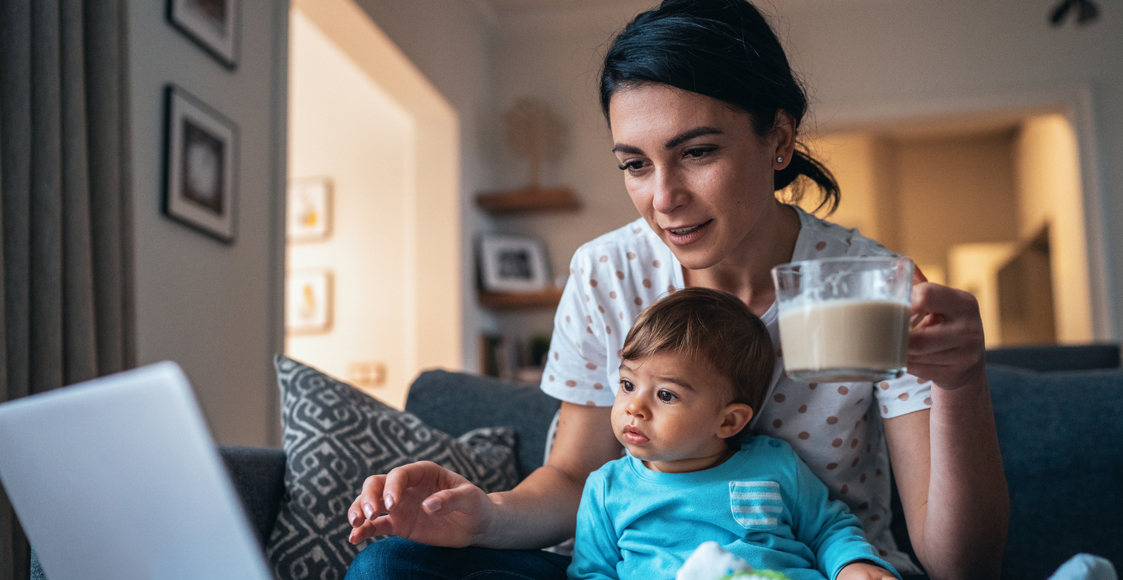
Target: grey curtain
66,285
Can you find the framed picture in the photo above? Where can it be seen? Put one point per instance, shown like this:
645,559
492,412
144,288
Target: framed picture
512,264
199,166
308,301
309,209
212,24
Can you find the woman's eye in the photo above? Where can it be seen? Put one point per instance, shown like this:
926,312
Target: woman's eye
667,396
626,386
631,166
698,152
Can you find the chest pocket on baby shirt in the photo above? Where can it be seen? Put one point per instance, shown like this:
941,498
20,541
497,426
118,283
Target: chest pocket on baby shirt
756,505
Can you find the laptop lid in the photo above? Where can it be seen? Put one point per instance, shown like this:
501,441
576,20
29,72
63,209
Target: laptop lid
118,478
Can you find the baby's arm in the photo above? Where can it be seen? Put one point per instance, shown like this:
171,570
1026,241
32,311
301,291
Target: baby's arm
832,532
595,549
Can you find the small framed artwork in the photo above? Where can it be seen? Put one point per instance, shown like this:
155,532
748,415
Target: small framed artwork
309,209
212,24
512,264
199,166
308,304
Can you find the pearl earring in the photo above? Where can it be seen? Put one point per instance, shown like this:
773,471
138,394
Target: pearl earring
780,159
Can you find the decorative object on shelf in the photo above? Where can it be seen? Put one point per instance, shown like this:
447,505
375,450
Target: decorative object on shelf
512,264
545,298
212,24
534,133
199,158
309,209
309,297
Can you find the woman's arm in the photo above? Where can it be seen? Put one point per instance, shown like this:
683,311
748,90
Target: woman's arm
429,504
946,460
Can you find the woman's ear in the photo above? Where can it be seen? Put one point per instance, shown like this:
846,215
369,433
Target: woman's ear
783,140
737,415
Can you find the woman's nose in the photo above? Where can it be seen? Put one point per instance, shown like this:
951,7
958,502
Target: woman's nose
668,194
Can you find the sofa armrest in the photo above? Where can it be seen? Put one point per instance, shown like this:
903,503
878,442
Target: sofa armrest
259,478
459,402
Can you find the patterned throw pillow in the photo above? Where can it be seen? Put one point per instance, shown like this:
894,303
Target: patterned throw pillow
334,436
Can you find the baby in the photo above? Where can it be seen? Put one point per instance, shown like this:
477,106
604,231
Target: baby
696,367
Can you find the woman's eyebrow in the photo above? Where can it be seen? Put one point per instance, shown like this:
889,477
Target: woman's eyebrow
672,142
690,134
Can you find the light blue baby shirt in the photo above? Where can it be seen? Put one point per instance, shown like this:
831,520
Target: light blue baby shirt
762,504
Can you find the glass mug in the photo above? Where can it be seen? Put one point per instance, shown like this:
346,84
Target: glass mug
844,319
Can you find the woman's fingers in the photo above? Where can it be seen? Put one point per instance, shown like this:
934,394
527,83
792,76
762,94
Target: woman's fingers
945,336
368,504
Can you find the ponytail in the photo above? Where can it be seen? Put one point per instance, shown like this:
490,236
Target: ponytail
806,166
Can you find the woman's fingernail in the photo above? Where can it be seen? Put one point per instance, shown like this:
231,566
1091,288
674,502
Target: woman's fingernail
353,517
432,504
389,501
368,510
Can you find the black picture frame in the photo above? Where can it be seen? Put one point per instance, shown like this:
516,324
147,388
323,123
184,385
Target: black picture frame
212,24
200,166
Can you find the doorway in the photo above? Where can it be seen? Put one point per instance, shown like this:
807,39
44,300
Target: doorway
373,280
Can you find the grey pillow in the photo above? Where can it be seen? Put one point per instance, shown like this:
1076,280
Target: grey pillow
334,436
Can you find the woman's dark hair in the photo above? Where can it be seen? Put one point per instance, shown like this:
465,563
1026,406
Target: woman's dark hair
723,49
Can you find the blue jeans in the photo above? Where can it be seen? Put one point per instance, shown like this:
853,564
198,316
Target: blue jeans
398,559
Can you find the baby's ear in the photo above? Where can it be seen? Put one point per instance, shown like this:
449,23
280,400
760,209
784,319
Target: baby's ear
737,415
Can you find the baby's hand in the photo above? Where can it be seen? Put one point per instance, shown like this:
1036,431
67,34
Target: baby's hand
864,571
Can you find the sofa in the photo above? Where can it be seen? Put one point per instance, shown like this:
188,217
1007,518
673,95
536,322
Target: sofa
1059,430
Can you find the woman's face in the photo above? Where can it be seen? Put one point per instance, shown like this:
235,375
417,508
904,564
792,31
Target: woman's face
696,170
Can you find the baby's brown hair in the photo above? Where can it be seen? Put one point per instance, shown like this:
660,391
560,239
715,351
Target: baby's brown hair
714,325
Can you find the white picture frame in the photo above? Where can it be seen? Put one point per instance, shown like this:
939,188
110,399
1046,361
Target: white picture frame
308,301
212,24
309,209
200,158
512,264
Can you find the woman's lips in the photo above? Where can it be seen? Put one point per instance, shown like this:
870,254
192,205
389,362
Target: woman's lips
682,236
635,436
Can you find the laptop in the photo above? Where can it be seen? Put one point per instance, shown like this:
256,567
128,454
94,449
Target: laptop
118,478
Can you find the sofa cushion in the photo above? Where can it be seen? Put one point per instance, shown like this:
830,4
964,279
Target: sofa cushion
1060,437
480,402
334,436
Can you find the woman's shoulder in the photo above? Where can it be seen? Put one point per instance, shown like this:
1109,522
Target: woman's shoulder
820,238
631,248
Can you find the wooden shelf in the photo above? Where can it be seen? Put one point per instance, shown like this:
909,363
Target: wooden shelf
547,298
528,200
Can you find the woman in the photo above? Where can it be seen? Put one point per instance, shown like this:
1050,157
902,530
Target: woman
704,113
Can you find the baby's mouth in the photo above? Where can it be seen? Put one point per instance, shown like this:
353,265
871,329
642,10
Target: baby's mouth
634,436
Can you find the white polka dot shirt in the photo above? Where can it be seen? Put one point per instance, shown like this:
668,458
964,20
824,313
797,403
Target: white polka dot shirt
834,427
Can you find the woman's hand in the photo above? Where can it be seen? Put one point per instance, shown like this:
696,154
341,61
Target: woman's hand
945,335
423,502
864,571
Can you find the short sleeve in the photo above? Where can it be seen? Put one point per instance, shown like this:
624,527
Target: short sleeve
903,396
575,365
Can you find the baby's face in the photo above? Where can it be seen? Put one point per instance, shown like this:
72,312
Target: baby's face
669,412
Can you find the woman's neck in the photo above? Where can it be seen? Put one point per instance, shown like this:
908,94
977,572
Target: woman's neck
746,272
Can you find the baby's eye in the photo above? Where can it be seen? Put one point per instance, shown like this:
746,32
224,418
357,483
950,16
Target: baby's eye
667,396
626,386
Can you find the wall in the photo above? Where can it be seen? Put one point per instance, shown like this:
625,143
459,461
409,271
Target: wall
449,42
211,307
1049,194
945,185
865,61
343,125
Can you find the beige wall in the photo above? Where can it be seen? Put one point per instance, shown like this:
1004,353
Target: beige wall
213,308
1050,194
363,115
954,190
342,125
